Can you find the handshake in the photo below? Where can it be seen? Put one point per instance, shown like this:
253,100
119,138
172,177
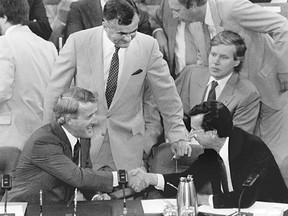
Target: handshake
138,179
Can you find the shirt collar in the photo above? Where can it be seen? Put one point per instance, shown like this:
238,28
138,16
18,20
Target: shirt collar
11,28
221,82
72,139
224,150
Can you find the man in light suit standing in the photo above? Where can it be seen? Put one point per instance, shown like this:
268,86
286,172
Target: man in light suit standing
26,63
89,59
266,36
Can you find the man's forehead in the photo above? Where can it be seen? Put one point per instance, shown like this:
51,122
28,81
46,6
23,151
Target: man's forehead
196,121
124,28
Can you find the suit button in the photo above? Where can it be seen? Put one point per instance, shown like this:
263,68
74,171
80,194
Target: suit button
103,134
108,116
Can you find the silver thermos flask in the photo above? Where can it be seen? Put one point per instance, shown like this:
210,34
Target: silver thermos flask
187,197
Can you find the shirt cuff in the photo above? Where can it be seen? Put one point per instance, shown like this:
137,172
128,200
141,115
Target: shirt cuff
158,29
115,179
210,201
161,182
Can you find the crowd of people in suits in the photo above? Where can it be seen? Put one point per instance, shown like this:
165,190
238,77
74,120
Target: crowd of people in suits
118,81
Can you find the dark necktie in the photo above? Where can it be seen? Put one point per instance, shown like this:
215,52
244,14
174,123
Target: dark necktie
112,77
212,92
223,175
76,152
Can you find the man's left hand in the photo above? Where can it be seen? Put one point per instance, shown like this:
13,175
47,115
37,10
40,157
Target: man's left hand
283,81
181,148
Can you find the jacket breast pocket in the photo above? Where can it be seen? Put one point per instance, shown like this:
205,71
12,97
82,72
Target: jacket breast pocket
5,119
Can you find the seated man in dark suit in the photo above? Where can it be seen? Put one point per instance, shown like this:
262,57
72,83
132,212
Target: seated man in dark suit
242,153
47,162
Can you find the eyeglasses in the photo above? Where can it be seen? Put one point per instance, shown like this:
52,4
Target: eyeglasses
193,131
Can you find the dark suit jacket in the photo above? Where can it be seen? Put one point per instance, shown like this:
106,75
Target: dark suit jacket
247,154
88,13
46,163
40,26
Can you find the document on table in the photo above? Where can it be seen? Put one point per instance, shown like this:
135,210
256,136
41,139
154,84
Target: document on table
156,206
258,209
18,208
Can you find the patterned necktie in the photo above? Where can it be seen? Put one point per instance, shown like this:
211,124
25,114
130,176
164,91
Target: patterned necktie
76,152
212,92
223,175
112,78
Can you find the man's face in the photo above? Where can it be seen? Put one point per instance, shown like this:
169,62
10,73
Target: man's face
121,35
204,138
82,125
221,61
193,14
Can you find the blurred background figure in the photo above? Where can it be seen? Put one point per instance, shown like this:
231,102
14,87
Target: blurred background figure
57,12
38,21
26,62
86,14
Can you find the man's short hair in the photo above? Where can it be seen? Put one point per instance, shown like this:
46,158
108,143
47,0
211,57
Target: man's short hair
68,102
16,11
188,3
231,38
122,10
216,116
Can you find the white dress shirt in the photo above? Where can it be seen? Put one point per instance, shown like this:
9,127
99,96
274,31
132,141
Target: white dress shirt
108,51
219,87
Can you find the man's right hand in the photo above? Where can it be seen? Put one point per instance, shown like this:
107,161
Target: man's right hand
163,43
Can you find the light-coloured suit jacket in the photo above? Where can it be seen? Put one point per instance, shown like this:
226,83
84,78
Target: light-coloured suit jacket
239,95
26,62
265,57
81,61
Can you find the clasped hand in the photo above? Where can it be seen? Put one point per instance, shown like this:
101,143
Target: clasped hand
138,179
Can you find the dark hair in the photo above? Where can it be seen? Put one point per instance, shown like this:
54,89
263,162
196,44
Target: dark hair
68,102
16,11
232,38
216,116
122,10
188,3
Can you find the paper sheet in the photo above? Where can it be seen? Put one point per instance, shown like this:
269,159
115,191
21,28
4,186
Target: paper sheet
156,206
18,208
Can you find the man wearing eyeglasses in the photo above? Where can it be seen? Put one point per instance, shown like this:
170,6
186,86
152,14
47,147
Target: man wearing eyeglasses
230,156
117,61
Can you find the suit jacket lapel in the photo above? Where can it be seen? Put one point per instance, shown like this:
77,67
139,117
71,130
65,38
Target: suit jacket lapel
227,93
202,85
215,16
96,63
127,70
58,130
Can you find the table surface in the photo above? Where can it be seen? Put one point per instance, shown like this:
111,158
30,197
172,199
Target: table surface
99,208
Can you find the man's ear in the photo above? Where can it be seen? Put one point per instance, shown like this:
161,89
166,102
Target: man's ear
237,62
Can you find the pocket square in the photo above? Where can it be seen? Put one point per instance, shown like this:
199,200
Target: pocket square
137,72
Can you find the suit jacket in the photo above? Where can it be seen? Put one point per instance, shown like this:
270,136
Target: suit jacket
46,163
26,63
39,23
265,56
239,95
247,154
88,14
82,57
